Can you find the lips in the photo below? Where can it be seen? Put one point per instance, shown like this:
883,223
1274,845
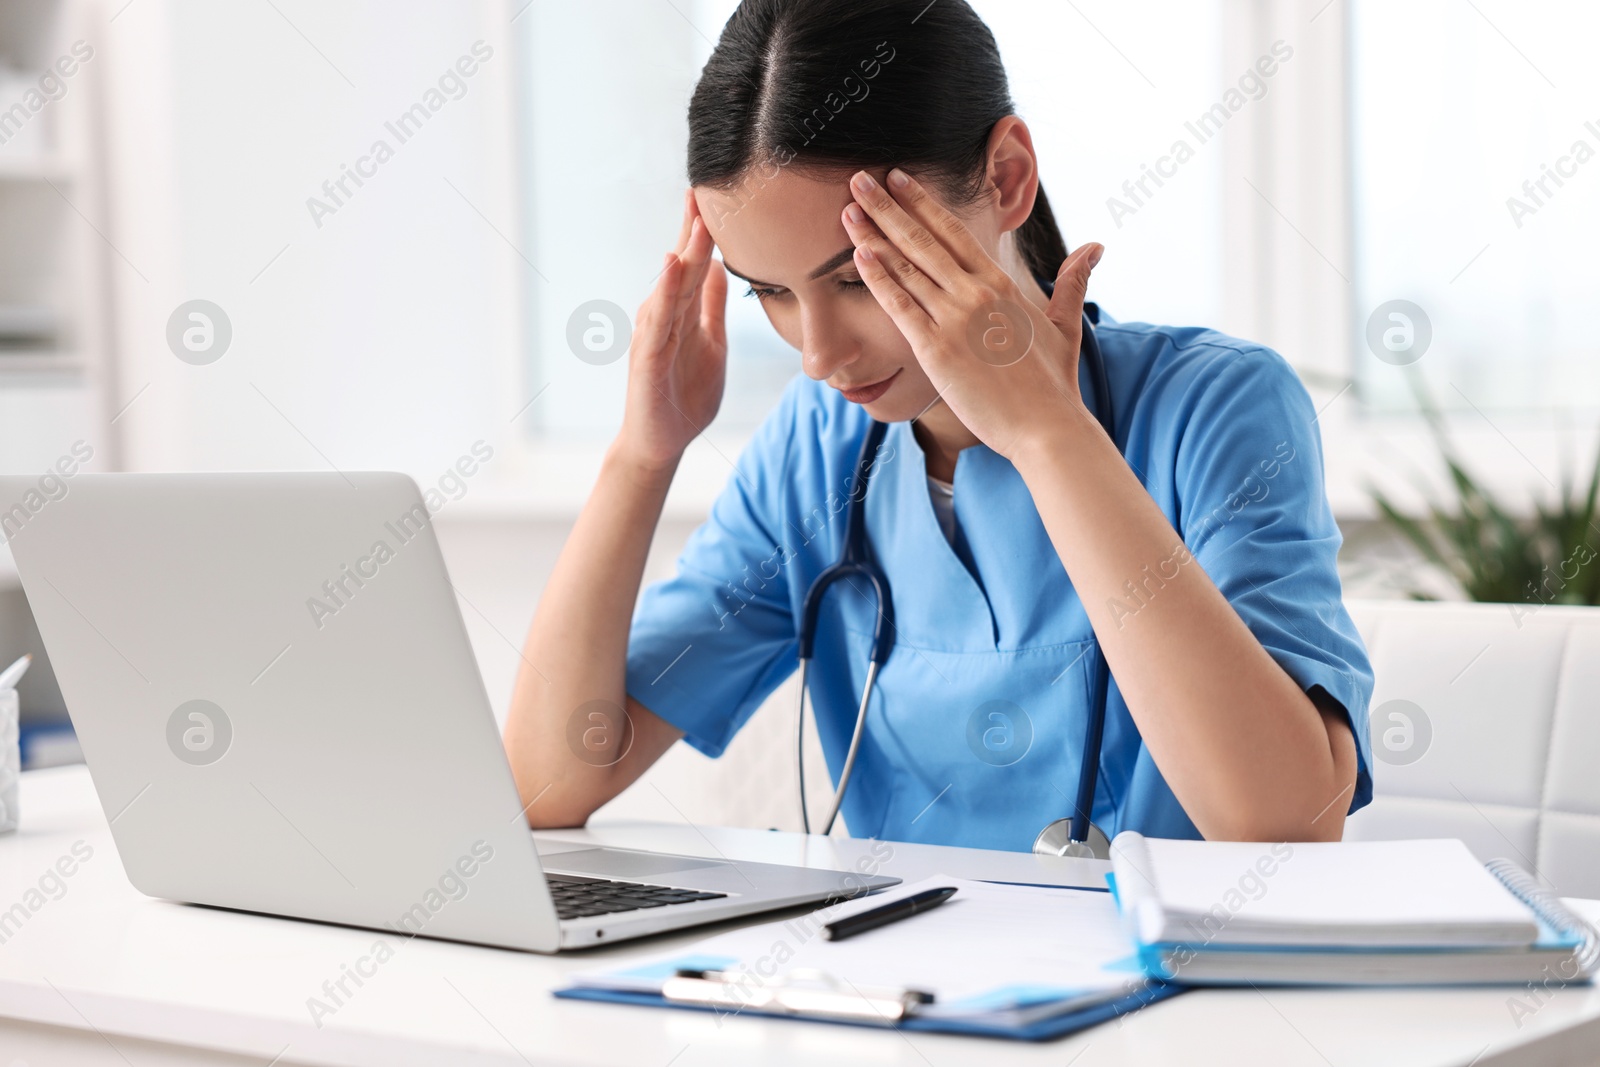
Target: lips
866,394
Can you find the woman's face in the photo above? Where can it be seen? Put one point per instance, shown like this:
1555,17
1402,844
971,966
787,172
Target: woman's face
784,236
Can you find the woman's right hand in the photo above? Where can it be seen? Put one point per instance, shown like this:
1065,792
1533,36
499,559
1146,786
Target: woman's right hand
677,360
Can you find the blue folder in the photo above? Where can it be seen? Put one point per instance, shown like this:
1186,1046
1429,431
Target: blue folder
1042,1030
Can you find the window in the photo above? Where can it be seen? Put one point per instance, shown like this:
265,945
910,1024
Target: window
605,97
1465,184
1476,160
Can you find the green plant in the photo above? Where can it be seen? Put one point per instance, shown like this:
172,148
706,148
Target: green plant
1492,555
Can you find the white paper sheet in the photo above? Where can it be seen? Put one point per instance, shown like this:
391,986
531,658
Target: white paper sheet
987,948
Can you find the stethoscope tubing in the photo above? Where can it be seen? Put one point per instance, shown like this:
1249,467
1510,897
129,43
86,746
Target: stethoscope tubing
850,756
1094,733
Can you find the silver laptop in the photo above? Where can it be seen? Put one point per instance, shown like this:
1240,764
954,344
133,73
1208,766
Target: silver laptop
281,713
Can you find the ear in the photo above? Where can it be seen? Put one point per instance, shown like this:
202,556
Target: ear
1013,172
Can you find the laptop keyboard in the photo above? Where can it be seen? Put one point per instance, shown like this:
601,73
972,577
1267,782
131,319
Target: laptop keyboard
577,897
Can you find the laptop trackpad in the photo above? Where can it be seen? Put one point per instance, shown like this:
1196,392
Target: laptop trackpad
620,863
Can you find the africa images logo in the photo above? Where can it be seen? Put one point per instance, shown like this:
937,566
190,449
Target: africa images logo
199,732
199,332
340,590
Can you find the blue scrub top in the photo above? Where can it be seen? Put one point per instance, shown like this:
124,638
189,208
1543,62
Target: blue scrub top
975,733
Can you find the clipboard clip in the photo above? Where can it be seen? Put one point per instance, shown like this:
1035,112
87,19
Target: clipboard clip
801,992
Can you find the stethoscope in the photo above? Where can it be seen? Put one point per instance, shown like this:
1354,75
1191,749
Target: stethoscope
1072,836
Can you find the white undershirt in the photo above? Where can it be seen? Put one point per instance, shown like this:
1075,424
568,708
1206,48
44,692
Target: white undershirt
943,495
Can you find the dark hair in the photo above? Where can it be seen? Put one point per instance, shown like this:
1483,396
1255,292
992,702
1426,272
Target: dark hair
859,84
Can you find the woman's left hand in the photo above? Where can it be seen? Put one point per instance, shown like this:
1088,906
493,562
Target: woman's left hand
1008,370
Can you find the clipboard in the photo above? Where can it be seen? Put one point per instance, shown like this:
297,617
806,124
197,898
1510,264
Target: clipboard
1002,960
1046,1029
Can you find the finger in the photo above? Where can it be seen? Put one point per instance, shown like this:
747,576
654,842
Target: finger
690,210
863,231
912,238
714,306
654,325
946,225
696,259
912,322
1072,287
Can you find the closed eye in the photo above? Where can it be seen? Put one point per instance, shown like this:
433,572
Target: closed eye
764,293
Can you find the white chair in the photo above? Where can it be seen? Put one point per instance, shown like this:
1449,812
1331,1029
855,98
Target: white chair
1486,726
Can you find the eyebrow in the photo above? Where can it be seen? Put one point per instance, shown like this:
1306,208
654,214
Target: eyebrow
837,260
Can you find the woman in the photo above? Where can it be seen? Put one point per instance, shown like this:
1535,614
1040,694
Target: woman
858,164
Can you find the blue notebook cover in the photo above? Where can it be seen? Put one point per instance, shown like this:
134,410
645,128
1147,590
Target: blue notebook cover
1559,931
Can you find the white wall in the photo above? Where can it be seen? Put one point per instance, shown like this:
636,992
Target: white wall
500,567
383,337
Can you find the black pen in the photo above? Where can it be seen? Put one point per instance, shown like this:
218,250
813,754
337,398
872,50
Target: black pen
903,908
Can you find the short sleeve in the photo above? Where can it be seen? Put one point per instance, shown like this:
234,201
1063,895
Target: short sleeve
710,644
1254,513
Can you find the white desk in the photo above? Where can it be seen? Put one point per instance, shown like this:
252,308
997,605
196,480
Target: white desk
103,975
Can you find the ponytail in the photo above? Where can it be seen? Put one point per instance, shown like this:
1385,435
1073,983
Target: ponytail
1039,240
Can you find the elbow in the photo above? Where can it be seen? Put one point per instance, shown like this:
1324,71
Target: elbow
1328,828
553,818
551,806
1314,809
547,804
1273,828
1308,816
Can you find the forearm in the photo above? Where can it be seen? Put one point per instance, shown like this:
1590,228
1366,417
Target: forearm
1243,747
576,651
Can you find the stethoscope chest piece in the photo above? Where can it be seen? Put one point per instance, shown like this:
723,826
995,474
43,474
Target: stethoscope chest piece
1056,840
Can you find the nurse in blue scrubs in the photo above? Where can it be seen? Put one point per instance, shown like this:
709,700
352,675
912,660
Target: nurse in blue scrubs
860,167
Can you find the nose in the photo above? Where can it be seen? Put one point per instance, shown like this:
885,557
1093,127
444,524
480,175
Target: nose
825,346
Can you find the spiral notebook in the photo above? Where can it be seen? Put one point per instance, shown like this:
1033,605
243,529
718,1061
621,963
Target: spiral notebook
1343,913
1000,960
